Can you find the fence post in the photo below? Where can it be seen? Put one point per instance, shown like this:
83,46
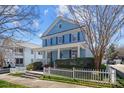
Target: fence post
113,76
44,70
49,71
73,72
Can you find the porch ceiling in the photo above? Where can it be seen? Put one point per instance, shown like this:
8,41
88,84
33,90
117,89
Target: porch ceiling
81,44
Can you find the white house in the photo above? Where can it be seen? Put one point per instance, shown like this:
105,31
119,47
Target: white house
19,53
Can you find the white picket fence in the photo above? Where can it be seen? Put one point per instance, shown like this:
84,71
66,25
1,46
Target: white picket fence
102,76
18,70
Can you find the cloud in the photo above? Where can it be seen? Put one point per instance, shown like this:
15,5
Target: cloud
46,12
40,34
36,23
16,23
62,10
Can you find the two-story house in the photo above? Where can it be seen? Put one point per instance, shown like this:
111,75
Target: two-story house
63,40
19,54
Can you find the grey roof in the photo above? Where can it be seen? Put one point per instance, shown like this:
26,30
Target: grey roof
27,44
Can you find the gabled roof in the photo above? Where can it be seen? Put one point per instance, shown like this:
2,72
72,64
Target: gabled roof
55,22
9,43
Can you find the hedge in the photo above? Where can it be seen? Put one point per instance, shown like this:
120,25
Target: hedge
35,66
77,63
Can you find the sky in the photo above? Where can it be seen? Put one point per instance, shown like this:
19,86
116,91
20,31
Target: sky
47,16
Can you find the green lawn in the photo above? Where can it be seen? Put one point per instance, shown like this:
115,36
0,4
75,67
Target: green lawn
16,74
5,84
77,82
120,82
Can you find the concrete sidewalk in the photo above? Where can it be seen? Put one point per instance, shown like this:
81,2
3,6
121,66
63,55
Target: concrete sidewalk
36,83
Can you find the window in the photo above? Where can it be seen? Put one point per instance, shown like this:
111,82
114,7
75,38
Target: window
74,37
45,42
39,53
60,25
63,39
60,40
32,52
31,60
20,50
48,42
51,41
19,61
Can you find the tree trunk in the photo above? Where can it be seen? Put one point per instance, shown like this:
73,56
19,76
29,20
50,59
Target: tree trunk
97,61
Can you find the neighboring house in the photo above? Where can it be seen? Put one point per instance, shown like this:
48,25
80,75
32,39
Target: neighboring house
20,53
63,40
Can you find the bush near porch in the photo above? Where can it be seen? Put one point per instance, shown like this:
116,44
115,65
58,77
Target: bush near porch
84,63
35,66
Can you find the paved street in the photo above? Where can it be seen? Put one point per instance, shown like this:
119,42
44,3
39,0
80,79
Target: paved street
35,83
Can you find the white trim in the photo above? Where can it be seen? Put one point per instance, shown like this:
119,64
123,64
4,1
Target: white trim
55,22
62,46
63,33
58,55
78,51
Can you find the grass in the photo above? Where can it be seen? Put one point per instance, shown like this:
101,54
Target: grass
77,82
120,82
16,74
5,84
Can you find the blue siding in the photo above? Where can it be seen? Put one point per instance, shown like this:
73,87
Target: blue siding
54,41
64,27
44,42
66,38
81,36
48,42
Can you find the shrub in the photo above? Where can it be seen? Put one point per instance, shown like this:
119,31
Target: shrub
77,63
35,66
103,66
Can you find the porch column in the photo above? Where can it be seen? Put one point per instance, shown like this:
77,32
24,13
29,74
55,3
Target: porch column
78,51
58,55
46,56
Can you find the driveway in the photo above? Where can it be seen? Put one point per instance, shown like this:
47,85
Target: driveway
36,83
119,69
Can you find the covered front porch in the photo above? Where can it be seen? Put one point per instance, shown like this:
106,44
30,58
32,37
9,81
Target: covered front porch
64,51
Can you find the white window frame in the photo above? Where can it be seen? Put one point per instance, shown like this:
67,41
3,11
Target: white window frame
60,37
74,37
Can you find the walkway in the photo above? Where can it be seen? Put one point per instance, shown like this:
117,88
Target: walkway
35,83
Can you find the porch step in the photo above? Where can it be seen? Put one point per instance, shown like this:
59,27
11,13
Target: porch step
32,74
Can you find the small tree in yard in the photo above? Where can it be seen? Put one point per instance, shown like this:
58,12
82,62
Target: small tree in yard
101,26
111,52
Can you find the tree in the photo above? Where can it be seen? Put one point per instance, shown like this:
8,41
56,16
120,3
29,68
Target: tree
6,50
111,52
101,26
17,20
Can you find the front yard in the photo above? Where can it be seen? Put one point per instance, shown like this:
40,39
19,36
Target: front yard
5,84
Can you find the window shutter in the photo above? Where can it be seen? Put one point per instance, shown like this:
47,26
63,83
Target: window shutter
69,38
